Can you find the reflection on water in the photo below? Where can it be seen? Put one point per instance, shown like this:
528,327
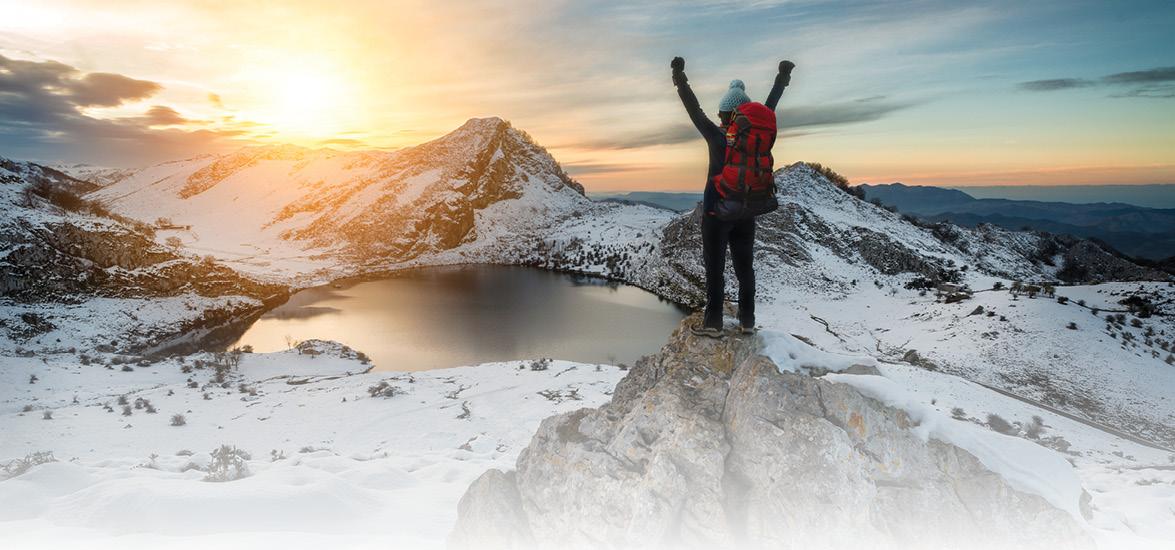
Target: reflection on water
451,316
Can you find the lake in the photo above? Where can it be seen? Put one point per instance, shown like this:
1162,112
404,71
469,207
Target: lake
463,315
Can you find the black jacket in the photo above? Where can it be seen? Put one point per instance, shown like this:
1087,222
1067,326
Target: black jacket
714,135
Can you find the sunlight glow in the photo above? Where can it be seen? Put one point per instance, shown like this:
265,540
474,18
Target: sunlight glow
313,100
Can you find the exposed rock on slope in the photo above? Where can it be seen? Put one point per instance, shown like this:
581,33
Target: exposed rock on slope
822,238
355,208
58,247
708,445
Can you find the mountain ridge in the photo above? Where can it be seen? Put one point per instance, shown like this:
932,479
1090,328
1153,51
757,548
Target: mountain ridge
1135,230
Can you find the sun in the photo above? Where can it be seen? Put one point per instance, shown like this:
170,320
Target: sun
300,103
309,103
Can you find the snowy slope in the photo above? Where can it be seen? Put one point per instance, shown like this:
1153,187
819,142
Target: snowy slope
99,175
288,212
832,270
75,277
343,465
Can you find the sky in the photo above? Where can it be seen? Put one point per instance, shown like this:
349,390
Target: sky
922,92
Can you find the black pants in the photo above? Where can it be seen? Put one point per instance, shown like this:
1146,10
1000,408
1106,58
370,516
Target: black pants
740,236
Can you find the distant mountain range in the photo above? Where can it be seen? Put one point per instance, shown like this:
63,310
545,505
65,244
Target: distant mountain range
677,202
1151,195
1133,230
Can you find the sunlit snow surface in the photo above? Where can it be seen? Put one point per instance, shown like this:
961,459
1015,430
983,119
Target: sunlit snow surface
357,470
388,472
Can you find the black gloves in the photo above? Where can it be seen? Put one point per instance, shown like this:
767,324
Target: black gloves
785,68
678,66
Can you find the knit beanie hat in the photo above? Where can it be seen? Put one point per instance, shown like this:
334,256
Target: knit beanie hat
734,97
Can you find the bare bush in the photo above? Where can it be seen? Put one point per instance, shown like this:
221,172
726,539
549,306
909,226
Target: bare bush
19,466
228,464
224,362
1035,428
384,389
997,423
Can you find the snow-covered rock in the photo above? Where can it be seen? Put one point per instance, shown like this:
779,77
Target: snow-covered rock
709,445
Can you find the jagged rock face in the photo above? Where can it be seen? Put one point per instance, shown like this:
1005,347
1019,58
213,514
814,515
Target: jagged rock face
483,162
708,445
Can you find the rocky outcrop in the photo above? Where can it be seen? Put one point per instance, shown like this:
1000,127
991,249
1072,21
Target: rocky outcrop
54,253
1085,261
708,445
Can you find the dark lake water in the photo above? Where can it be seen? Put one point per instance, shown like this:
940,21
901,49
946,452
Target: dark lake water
451,316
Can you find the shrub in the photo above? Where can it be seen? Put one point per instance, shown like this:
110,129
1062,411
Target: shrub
1071,326
178,420
19,466
958,413
224,362
999,285
540,364
838,180
383,389
997,423
1035,428
1139,306
57,196
228,464
47,415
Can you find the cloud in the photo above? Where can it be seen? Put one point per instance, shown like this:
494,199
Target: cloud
1158,74
832,114
109,89
835,114
1158,82
346,142
585,168
1054,84
162,115
43,116
671,134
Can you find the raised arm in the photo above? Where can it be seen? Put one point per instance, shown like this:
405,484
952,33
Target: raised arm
704,125
781,81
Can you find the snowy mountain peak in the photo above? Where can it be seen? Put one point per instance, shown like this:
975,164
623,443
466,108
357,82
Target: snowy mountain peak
370,206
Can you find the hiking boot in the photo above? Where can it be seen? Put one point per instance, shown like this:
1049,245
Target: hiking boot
709,332
747,329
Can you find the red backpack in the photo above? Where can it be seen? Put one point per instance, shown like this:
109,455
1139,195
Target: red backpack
746,185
